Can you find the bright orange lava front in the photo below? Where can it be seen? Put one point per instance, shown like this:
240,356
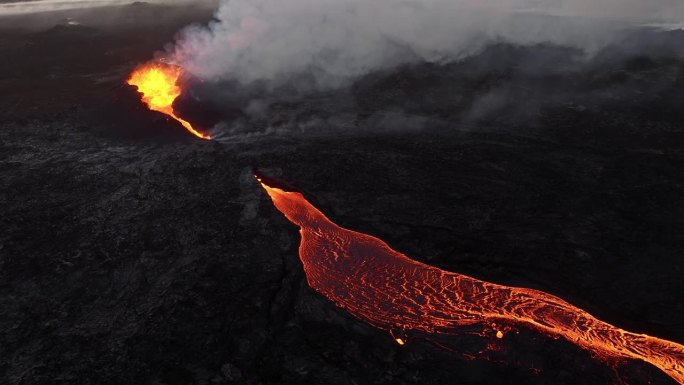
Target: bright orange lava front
390,291
157,82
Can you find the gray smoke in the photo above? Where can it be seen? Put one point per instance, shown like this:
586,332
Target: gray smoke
333,41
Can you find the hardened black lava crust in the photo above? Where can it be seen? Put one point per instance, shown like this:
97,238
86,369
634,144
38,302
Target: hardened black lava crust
134,253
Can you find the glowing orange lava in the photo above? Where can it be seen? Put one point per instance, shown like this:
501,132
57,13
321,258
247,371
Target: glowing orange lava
157,82
390,291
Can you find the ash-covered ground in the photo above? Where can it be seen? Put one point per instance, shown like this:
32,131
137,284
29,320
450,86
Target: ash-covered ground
133,253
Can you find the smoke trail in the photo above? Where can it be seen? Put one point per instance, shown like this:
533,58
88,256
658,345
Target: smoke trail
333,41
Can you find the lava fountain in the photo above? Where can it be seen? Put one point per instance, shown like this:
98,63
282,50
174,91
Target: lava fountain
390,291
158,84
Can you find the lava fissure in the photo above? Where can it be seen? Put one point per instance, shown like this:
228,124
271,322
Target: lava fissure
158,84
390,291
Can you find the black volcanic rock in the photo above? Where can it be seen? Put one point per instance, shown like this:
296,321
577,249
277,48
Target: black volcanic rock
202,117
131,252
126,114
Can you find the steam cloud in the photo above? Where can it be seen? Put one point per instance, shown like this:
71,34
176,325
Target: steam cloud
333,41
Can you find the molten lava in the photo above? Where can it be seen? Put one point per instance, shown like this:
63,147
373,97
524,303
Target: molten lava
157,82
390,291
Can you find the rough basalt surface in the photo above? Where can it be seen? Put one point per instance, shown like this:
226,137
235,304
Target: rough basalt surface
132,253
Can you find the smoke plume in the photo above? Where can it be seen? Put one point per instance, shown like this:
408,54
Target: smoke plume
330,42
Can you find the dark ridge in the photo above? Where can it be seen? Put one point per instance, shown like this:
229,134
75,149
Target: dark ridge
273,183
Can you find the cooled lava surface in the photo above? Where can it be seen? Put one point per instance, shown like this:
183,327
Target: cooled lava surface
132,252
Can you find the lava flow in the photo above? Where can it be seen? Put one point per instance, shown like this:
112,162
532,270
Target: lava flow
157,82
390,291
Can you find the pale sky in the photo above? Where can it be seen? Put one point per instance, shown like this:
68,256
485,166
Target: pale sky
9,7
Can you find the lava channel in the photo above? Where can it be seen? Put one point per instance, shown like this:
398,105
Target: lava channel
390,291
158,84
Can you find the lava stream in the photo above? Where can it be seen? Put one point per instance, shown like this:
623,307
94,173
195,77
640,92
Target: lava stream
390,291
157,82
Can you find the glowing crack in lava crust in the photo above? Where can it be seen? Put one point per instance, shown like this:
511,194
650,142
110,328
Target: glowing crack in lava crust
390,291
157,82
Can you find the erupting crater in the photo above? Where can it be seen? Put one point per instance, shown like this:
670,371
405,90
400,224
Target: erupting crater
390,291
158,84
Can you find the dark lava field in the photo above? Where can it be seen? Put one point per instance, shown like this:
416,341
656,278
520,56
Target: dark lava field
134,253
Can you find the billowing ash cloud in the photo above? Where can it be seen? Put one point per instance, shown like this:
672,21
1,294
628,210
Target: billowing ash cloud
333,41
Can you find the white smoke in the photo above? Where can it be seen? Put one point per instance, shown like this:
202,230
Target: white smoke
336,40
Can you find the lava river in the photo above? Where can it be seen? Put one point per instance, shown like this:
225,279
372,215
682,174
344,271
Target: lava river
390,291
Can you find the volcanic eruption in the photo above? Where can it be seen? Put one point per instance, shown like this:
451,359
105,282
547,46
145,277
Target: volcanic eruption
390,291
158,84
